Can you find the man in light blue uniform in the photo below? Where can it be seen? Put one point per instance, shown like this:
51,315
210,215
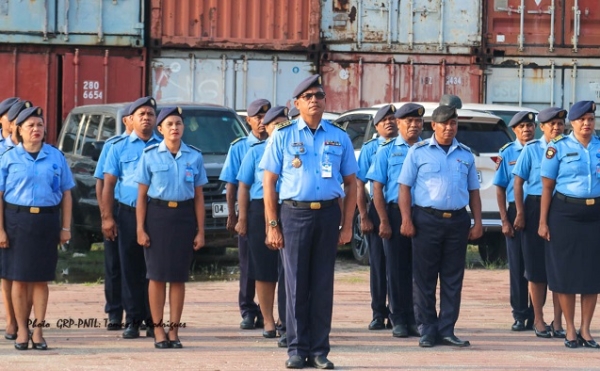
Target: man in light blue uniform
11,115
523,124
4,121
309,155
239,147
385,124
384,173
441,174
112,263
120,166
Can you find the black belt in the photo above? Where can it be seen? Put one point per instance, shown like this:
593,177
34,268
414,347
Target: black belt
580,201
313,205
394,205
446,214
32,209
171,204
534,197
126,207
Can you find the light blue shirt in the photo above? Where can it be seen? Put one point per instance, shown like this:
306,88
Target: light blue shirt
250,173
440,180
529,165
387,166
168,178
40,182
366,157
237,151
99,172
504,176
294,141
5,143
121,162
573,167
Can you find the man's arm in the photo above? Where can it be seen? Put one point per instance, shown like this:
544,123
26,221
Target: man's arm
243,197
348,210
407,228
385,230
109,227
230,196
507,228
274,235
475,206
366,224
519,222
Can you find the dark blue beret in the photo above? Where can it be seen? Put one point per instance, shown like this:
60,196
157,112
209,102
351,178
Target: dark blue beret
581,108
293,112
314,80
141,102
550,113
523,116
27,113
451,100
275,112
388,109
6,104
258,106
16,108
410,110
443,114
168,111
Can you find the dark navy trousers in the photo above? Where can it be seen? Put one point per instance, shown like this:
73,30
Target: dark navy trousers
310,240
377,267
281,296
133,269
519,291
112,280
247,285
439,250
398,255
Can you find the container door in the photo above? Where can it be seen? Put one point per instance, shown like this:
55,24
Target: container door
582,18
22,21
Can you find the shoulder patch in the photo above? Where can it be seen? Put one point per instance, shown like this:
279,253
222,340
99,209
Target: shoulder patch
465,147
337,125
192,147
550,153
284,124
151,147
532,141
558,138
237,140
506,146
391,140
421,144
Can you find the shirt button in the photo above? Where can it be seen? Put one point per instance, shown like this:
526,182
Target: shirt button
317,188
317,171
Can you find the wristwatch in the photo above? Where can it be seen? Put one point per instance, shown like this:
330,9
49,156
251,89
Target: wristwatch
273,223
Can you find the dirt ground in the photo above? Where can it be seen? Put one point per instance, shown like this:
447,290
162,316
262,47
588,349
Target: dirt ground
213,340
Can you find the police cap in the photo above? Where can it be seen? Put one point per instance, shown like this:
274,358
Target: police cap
141,102
410,110
258,106
451,100
16,108
275,112
293,112
388,109
314,80
168,111
27,113
6,104
581,108
550,113
523,116
443,114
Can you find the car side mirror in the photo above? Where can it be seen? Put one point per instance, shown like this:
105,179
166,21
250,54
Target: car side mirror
93,149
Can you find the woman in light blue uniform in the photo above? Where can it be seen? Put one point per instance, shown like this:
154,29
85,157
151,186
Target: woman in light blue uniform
35,190
251,223
570,220
170,220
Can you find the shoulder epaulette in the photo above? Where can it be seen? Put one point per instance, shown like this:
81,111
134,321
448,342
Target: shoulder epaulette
506,146
391,140
532,141
151,147
118,139
257,143
237,140
465,147
284,124
337,126
6,150
56,148
195,148
113,138
558,138
369,141
421,144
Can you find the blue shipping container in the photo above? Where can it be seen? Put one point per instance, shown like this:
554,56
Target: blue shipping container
72,22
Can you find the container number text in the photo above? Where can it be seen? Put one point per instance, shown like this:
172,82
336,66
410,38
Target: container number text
91,90
453,80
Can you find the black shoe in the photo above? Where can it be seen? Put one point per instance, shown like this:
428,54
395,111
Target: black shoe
571,343
282,343
377,324
560,334
587,343
22,346
162,344
320,362
131,332
389,325
150,332
529,324
518,326
260,322
542,334
269,334
39,346
400,331
8,336
454,341
294,362
413,330
427,341
247,322
114,325
175,344
143,327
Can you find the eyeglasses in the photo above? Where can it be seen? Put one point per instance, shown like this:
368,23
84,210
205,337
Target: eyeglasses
309,96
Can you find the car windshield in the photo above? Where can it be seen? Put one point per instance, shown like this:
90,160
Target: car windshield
480,137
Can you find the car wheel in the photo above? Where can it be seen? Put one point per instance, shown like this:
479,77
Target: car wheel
492,248
80,241
360,245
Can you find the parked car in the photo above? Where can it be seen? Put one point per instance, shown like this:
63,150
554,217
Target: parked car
505,112
484,133
331,116
209,127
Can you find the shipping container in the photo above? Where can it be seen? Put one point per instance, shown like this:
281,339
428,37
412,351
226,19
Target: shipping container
66,22
407,26
236,24
543,82
60,78
540,27
354,80
230,78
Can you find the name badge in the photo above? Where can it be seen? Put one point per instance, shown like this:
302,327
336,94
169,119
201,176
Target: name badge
326,169
189,174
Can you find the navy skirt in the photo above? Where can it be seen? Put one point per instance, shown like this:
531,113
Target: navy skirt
534,247
263,261
171,232
33,246
573,252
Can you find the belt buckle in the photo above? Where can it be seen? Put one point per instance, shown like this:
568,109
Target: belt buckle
315,205
34,210
590,201
446,215
172,204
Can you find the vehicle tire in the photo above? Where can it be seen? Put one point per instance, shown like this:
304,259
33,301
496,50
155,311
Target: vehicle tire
359,244
81,240
492,248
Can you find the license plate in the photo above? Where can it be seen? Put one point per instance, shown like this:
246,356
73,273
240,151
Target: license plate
479,175
220,209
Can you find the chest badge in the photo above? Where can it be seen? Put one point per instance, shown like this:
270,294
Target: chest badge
296,162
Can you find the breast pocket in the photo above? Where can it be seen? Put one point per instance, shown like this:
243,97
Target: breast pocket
53,176
430,168
295,158
333,154
160,175
15,173
574,163
128,163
